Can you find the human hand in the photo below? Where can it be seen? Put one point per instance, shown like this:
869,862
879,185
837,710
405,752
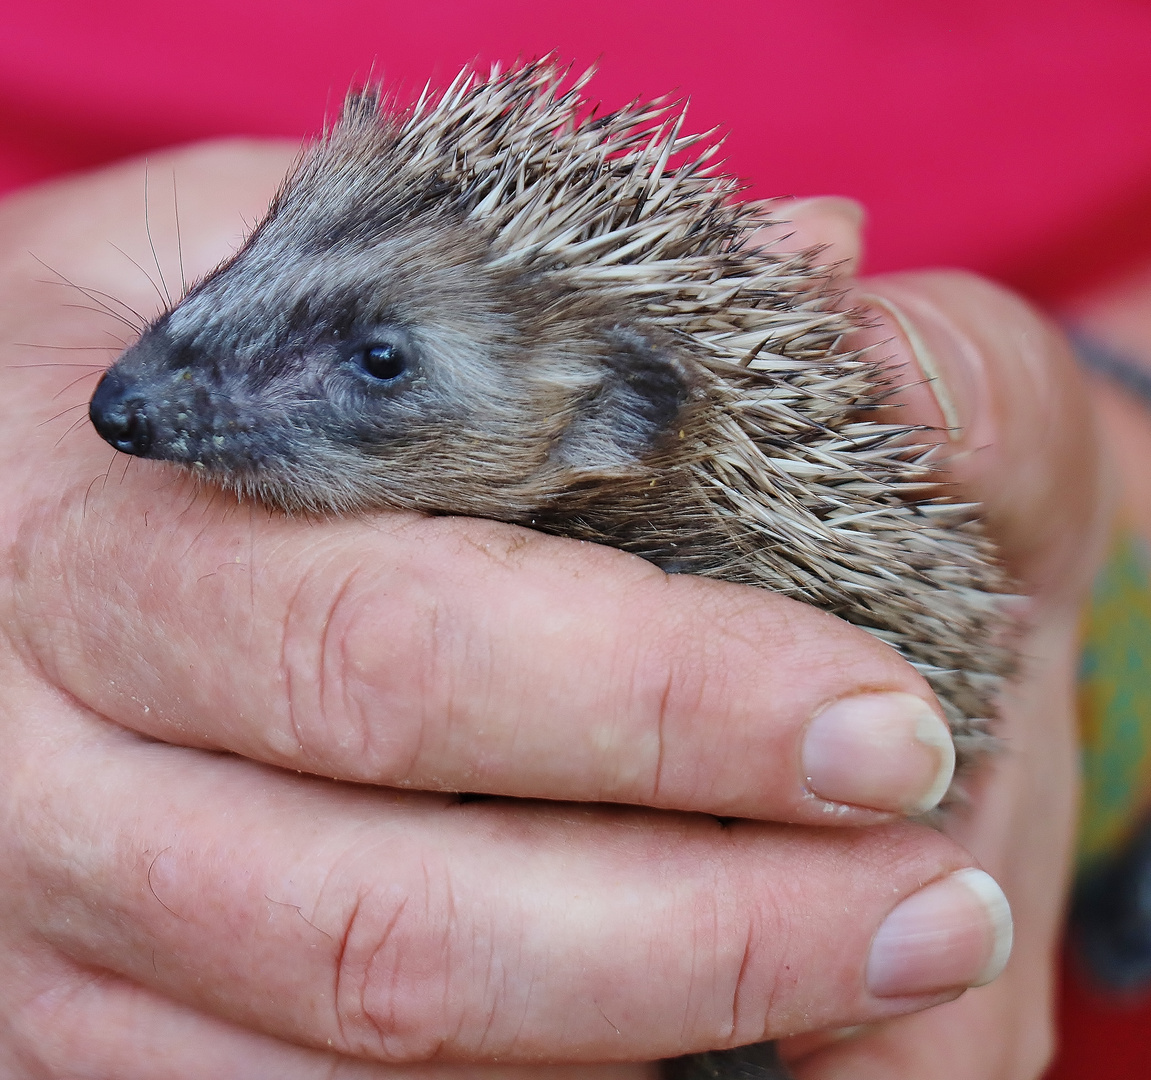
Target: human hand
1029,453
170,904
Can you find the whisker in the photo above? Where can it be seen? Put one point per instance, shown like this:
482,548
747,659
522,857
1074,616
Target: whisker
33,367
62,413
75,426
121,344
94,297
102,311
163,300
59,348
117,300
78,379
148,230
88,491
179,240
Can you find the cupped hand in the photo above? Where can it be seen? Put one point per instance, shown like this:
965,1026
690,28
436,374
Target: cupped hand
1001,380
171,910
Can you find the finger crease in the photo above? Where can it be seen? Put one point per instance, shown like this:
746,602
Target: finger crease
661,723
740,979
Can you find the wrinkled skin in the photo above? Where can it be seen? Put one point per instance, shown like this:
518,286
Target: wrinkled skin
173,911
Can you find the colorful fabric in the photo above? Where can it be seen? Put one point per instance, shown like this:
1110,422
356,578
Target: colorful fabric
1115,700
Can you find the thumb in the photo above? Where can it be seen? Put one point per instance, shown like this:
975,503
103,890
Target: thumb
1000,384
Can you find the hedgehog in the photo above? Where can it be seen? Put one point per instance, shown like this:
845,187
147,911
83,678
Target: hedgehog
498,302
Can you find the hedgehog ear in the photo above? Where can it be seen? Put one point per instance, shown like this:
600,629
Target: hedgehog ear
361,107
641,393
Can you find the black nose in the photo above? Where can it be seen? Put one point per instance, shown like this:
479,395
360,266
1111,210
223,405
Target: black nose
120,415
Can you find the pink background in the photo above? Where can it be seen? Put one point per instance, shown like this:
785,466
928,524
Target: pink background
1010,136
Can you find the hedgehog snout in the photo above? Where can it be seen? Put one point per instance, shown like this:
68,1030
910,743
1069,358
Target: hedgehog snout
120,414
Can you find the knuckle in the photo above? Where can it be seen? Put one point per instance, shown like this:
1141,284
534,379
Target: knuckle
764,978
681,685
400,662
397,971
740,972
359,671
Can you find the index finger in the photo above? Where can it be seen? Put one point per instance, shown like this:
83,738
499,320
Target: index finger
437,653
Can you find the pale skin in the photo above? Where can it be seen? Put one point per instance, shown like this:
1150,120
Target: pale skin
171,911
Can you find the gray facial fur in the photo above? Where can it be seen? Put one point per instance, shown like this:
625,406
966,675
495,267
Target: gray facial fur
256,379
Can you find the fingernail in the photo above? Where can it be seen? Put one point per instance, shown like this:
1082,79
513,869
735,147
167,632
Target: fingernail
852,213
829,223
952,934
886,752
930,338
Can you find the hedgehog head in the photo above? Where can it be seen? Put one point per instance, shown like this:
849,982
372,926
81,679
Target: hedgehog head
413,322
477,304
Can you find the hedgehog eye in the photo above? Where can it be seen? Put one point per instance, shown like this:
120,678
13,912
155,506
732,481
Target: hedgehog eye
383,361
